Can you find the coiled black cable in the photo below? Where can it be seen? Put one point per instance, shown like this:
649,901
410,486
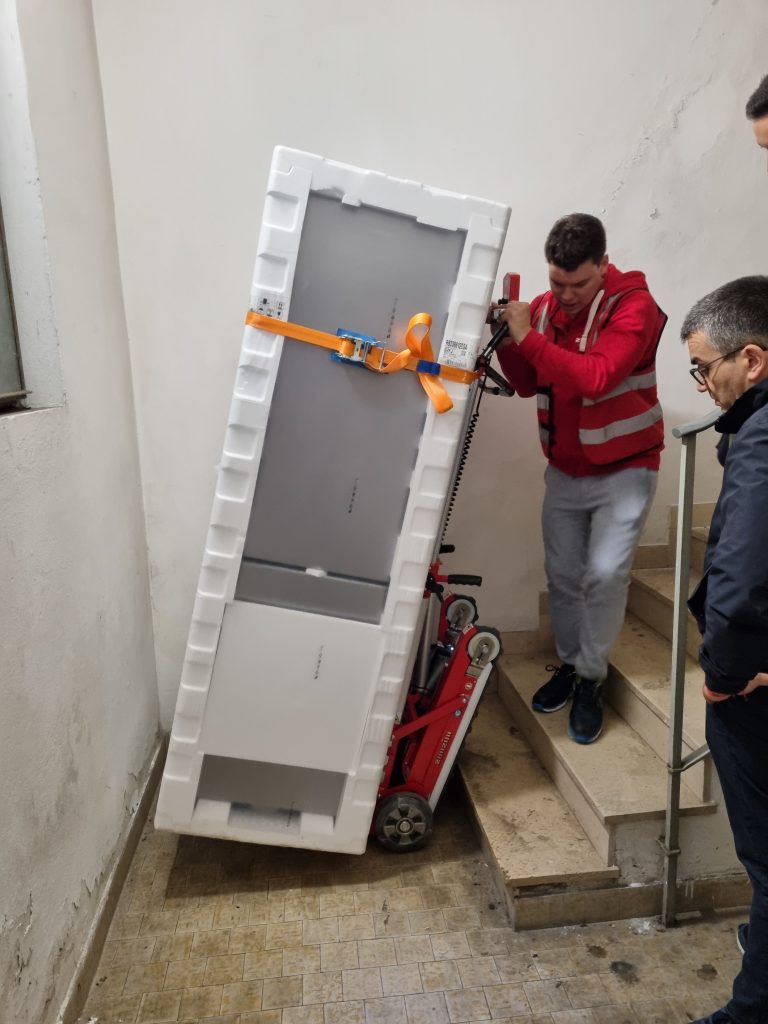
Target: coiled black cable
470,431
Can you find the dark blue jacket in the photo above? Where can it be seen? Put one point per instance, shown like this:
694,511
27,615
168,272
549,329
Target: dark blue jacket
731,602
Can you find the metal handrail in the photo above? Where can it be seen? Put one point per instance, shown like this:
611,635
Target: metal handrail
696,426
676,764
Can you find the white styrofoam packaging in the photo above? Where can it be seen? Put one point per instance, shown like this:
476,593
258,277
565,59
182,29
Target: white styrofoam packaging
284,714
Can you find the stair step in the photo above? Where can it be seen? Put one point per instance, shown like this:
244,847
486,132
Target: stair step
652,556
639,689
543,862
651,597
533,835
616,781
701,515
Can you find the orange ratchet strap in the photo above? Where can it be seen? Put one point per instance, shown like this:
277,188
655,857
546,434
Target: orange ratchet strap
417,356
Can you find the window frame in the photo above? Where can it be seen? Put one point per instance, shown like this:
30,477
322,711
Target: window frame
11,398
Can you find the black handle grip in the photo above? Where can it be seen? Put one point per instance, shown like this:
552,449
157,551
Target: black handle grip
447,549
497,336
465,581
485,356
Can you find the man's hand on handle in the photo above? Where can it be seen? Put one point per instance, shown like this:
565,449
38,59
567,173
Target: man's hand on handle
516,315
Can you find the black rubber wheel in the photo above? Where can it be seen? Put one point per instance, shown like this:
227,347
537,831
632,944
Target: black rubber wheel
403,822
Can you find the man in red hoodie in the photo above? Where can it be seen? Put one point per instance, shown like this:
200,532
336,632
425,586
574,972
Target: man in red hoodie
587,349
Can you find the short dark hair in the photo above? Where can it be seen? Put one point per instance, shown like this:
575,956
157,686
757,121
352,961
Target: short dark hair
757,104
575,239
731,316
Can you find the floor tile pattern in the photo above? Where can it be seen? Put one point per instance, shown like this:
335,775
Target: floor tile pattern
214,932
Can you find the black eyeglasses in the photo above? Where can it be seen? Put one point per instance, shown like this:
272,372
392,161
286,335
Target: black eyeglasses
700,373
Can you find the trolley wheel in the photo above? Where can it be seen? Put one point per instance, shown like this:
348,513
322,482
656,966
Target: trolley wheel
461,611
486,642
403,822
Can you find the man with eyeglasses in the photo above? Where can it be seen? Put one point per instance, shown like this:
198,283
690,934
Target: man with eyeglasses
757,112
727,336
587,348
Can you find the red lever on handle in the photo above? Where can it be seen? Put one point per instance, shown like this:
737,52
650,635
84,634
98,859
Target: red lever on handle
511,287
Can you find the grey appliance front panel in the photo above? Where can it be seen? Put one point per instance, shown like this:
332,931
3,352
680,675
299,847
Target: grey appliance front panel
341,441
285,587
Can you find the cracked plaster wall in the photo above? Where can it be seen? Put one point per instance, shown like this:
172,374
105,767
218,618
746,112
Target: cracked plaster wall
632,111
77,676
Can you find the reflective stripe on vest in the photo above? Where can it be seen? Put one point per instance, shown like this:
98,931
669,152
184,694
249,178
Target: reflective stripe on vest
543,319
590,318
542,401
602,316
620,428
636,382
609,304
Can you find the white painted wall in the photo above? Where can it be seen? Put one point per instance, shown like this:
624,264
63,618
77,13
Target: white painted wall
631,111
77,677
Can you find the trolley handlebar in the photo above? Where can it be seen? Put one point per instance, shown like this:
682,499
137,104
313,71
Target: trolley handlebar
465,581
511,294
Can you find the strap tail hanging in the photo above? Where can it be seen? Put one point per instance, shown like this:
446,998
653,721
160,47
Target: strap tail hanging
420,348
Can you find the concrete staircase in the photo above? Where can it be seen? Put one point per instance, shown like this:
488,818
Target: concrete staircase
572,831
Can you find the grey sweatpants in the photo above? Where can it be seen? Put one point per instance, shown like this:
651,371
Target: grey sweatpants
591,527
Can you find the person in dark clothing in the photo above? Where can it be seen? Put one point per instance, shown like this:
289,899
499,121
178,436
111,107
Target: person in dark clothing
727,337
757,112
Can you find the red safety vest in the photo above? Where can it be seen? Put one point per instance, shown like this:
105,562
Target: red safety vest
622,424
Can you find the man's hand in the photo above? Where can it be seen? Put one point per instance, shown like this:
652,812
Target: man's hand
517,316
712,697
761,679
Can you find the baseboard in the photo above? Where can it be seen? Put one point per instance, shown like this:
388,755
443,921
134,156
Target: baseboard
89,958
547,910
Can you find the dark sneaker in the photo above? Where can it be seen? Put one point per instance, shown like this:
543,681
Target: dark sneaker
718,1017
742,935
556,692
586,719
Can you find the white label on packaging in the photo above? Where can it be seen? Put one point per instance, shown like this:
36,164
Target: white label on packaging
269,304
455,353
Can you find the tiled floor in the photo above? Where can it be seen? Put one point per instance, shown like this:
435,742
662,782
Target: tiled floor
224,933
